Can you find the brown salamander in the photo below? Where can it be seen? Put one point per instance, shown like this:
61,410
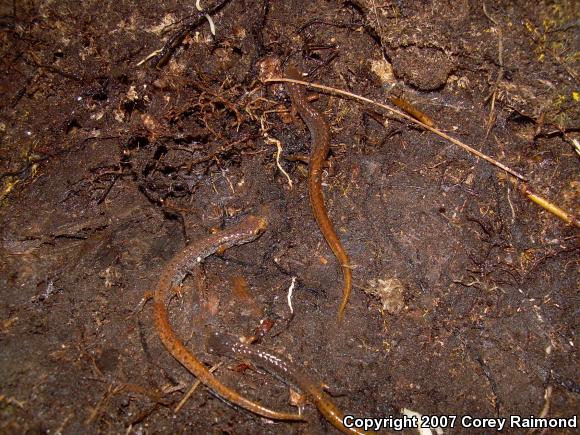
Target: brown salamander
247,230
320,136
282,368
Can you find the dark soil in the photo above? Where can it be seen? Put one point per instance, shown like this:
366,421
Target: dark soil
466,293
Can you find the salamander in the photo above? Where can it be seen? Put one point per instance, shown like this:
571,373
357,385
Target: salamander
282,368
245,231
320,137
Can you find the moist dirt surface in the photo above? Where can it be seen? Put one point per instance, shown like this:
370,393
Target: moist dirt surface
465,298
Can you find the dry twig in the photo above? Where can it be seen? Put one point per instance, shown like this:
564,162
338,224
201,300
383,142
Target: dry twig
408,118
552,208
192,389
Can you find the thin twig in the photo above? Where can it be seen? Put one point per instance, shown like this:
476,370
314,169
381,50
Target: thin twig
548,206
289,297
552,208
272,141
500,72
192,389
408,118
162,56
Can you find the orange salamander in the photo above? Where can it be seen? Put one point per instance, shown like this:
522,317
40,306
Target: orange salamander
282,368
247,230
320,136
